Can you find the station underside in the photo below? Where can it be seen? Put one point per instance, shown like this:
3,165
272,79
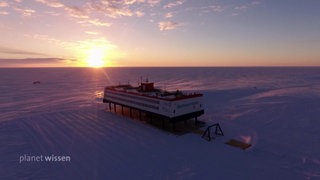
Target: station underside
153,118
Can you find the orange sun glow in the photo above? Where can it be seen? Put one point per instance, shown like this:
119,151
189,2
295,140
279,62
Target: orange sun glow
96,57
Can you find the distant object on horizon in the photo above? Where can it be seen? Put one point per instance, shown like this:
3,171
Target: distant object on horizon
36,82
173,106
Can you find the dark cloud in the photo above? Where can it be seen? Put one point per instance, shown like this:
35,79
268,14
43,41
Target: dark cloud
5,50
36,62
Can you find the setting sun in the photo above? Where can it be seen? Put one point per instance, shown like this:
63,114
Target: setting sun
96,57
95,53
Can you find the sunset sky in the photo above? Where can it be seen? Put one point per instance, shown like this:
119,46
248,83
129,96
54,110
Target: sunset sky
55,33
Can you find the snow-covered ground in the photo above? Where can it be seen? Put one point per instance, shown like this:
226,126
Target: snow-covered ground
277,110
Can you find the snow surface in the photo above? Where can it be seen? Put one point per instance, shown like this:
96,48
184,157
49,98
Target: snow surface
277,110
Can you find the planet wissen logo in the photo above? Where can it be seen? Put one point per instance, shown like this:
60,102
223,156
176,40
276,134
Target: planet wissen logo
44,158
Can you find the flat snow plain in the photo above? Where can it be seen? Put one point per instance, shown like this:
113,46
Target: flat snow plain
277,110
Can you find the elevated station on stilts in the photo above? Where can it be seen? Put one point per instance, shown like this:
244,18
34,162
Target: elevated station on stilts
158,105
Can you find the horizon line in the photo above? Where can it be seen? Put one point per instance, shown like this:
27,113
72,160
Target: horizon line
241,66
